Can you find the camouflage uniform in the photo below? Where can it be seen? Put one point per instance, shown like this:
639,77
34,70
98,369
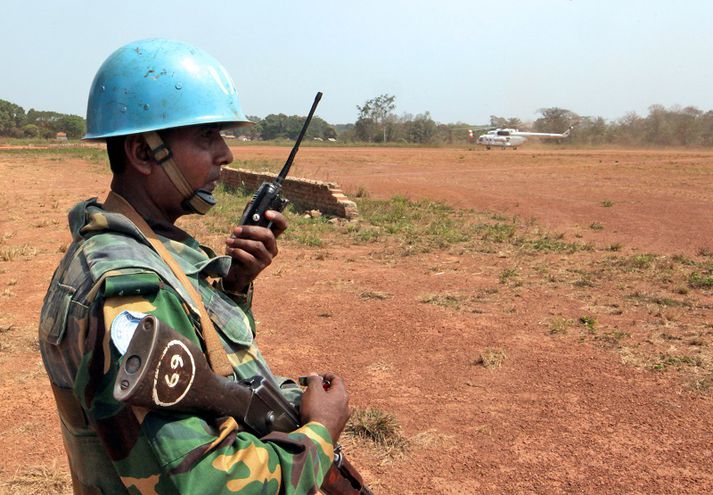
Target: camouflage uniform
110,267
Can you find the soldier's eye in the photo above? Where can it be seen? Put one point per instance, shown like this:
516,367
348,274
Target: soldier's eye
210,132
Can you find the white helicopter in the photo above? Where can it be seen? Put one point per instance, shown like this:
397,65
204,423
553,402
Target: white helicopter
511,138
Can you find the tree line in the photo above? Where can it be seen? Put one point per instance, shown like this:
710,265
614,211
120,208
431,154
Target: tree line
376,122
674,126
15,122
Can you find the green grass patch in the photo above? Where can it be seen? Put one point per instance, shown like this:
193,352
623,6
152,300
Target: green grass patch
658,300
678,361
589,323
362,233
307,230
683,260
551,243
268,166
95,154
498,232
637,262
700,280
423,224
641,261
416,226
231,204
508,275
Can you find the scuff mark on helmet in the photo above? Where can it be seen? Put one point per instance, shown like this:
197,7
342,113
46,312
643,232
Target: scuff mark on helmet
154,75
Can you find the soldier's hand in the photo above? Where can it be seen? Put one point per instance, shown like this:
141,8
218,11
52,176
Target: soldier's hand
252,249
326,401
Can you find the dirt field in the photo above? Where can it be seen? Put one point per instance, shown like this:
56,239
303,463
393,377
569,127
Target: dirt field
586,371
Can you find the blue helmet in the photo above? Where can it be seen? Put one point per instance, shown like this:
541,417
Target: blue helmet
155,84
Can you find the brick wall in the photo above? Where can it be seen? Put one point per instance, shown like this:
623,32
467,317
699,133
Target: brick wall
305,194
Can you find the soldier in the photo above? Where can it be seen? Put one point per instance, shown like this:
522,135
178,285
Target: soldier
160,106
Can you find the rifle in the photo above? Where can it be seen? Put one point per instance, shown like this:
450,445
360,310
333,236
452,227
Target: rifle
267,196
162,369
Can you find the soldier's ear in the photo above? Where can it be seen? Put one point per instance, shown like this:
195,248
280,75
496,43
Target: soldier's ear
138,154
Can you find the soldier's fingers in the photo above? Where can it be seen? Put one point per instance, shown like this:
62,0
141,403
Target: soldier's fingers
256,249
334,383
330,377
279,222
314,381
255,233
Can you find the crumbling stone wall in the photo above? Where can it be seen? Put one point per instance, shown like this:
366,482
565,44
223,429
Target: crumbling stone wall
305,194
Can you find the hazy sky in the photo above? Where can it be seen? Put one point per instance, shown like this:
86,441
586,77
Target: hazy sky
460,60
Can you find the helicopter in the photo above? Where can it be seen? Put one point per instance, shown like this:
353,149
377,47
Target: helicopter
511,138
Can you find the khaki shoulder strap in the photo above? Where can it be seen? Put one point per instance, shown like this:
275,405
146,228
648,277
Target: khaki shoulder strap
215,351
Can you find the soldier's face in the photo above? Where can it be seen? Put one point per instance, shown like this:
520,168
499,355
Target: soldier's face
199,151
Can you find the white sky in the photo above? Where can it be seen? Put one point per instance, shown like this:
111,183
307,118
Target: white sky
461,60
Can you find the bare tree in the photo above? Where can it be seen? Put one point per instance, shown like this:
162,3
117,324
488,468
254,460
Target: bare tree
377,110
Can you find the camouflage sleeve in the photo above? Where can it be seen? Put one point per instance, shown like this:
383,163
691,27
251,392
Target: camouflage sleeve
178,453
242,299
199,457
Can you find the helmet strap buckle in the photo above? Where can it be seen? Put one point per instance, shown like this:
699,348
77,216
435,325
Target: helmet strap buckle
161,153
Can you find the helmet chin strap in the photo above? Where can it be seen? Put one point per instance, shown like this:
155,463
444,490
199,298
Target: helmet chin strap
195,201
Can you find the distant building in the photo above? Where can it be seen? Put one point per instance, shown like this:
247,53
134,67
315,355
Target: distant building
61,136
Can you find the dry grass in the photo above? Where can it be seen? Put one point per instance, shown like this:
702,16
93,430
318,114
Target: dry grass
380,367
381,429
32,373
559,325
458,302
700,384
491,358
431,439
46,222
612,338
39,480
509,276
373,294
444,300
11,253
33,343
